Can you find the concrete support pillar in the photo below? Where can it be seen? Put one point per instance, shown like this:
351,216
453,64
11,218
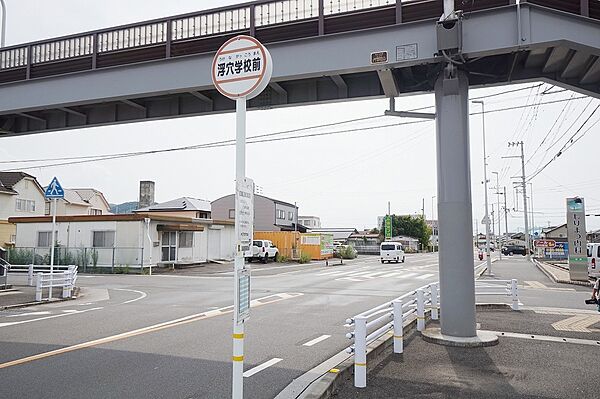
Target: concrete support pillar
457,281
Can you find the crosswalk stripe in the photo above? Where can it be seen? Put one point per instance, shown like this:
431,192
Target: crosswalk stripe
425,276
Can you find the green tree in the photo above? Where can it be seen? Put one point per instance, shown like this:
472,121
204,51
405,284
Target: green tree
410,226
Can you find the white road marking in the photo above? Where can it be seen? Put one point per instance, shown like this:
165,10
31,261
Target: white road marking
407,275
29,314
9,293
142,294
317,340
47,317
372,275
425,276
394,274
349,279
261,367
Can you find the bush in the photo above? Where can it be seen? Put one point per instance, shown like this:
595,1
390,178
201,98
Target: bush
304,258
281,258
348,252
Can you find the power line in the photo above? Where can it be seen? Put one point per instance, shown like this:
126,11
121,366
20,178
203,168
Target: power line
252,140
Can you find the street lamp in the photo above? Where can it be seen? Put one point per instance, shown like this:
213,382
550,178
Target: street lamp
485,182
433,222
3,31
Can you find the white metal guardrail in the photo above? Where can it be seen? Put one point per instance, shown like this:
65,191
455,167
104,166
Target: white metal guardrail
65,279
378,321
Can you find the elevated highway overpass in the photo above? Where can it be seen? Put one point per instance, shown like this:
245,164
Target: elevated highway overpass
321,50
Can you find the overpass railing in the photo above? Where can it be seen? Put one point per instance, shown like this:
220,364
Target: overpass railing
393,315
205,31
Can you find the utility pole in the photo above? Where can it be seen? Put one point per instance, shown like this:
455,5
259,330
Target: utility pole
505,215
524,188
532,212
499,214
3,31
485,184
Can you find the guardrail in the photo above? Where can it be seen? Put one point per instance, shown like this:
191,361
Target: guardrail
378,321
65,279
4,268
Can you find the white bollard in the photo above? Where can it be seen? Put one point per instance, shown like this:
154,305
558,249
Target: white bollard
434,302
398,327
30,276
514,294
38,287
420,310
360,352
65,284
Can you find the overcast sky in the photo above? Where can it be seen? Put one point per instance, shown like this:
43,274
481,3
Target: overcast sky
345,179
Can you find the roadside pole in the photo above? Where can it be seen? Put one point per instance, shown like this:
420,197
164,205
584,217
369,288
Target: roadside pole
241,70
54,191
499,235
53,234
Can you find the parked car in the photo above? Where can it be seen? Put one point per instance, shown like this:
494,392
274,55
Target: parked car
263,250
593,253
514,250
391,252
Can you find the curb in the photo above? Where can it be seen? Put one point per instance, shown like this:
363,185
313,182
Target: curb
325,386
28,304
553,277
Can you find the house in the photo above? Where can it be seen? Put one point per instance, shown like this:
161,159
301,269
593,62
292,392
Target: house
556,233
364,239
339,234
80,201
184,207
20,195
132,240
310,222
269,214
409,243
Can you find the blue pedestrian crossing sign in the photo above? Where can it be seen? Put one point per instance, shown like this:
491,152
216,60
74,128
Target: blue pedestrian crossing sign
54,190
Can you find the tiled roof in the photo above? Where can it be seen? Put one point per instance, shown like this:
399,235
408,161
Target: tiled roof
9,179
179,204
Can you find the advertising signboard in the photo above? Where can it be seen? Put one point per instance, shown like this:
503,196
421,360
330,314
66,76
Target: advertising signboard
388,227
326,244
244,215
578,267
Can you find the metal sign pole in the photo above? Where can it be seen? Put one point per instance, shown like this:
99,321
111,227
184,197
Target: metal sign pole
52,247
238,325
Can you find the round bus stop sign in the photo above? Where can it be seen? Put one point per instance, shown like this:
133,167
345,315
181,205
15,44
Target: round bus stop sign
242,68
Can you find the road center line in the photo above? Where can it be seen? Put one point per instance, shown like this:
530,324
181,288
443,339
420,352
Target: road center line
14,323
261,367
317,340
140,331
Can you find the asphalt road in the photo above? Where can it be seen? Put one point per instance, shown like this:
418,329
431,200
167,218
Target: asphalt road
169,336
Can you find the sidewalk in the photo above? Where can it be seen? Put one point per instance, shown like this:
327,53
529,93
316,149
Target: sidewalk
560,274
23,295
548,350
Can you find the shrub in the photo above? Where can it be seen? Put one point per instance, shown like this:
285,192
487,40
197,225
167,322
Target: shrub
304,258
348,252
281,258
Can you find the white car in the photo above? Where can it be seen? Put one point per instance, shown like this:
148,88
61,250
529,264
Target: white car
391,252
263,250
593,253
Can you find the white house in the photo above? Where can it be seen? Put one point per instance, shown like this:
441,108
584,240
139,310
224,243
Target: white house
127,240
311,222
20,195
80,201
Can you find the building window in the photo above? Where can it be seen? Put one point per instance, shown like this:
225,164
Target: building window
232,214
95,212
280,214
202,215
47,208
290,216
186,239
44,239
25,205
13,238
103,239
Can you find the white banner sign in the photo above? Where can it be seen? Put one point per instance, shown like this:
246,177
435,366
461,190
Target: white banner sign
244,215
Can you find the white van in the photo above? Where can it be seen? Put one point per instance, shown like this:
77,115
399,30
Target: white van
391,252
593,253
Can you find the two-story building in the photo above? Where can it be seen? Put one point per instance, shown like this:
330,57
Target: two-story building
310,222
20,195
80,201
269,214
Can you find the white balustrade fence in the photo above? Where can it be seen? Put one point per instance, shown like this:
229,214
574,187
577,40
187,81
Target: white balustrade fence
374,323
65,279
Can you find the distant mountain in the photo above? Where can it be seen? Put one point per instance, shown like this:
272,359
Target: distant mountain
126,207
